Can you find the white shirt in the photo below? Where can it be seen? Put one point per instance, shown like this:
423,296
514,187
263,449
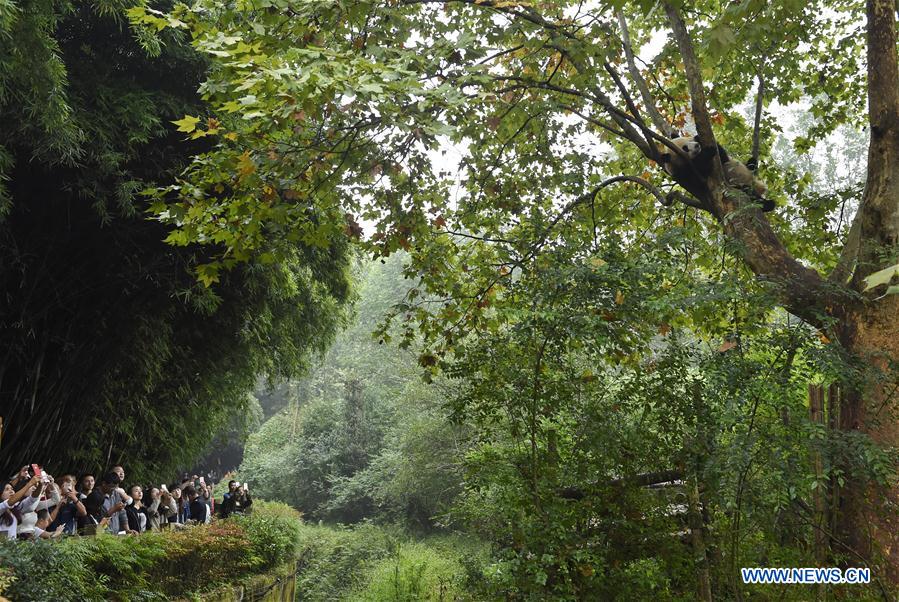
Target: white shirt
9,529
29,507
25,506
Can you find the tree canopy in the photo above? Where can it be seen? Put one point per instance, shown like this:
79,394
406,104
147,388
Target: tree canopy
553,232
604,325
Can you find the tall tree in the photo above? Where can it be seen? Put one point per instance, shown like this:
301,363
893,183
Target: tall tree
337,109
112,352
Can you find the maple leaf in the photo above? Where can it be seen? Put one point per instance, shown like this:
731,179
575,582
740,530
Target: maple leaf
188,124
245,165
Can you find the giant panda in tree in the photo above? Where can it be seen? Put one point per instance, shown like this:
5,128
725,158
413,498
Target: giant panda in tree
693,171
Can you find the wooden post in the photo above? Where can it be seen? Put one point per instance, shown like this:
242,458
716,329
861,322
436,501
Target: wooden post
816,411
694,501
833,415
697,539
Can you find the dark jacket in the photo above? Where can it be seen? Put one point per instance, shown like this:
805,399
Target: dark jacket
198,511
234,502
93,503
67,516
134,518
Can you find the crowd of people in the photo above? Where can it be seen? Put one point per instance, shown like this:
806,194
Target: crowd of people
34,505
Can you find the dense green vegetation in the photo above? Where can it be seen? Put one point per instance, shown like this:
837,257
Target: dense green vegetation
380,564
153,566
363,436
112,352
571,376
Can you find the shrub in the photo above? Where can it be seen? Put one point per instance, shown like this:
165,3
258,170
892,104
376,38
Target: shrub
202,557
274,530
415,572
6,579
153,566
118,562
333,561
381,563
43,571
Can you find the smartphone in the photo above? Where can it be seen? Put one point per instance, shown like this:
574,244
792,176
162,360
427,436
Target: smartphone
202,481
36,470
163,487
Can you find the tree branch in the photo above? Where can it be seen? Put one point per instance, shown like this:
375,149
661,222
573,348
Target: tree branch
601,98
759,101
799,289
608,182
646,479
648,101
678,196
638,119
597,122
694,80
848,256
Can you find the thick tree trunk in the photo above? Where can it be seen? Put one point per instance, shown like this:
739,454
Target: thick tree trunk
869,514
869,520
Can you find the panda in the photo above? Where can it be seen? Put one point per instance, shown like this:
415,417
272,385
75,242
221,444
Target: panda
694,173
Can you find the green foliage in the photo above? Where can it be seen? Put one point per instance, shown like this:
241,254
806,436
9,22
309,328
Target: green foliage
344,105
333,561
123,565
153,566
45,571
273,530
362,437
376,563
585,335
416,571
199,559
121,354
